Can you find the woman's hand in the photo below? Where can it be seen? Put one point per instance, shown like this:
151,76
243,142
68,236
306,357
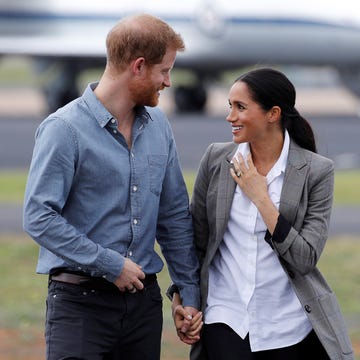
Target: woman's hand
187,320
252,183
254,186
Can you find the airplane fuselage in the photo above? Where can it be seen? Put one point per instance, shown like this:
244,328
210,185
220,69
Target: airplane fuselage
219,35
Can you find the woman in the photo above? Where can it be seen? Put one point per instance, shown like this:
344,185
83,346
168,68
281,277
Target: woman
261,209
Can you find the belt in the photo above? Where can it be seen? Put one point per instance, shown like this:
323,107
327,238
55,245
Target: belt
95,283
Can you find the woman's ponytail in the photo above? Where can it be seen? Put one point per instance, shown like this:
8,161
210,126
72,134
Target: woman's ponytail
299,129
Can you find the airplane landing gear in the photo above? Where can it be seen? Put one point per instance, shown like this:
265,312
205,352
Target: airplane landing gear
59,84
58,97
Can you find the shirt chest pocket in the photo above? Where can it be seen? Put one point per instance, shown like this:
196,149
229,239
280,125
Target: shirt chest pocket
157,166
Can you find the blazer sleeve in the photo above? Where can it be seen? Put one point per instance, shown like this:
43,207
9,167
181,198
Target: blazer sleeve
300,240
198,206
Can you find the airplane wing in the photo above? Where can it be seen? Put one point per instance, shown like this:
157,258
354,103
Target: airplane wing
219,35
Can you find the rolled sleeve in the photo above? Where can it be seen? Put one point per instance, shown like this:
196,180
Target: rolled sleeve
281,231
190,296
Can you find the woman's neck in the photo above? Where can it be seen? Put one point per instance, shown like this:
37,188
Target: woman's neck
266,154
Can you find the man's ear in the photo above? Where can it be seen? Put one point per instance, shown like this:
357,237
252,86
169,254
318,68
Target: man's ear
138,65
274,114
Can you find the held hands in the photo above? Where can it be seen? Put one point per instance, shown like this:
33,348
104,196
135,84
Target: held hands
130,277
187,320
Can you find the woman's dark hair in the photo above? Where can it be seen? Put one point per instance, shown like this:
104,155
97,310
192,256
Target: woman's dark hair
268,88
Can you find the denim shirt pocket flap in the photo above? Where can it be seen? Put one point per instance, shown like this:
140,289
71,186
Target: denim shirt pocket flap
157,167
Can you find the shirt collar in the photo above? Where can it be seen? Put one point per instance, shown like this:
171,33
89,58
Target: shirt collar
280,165
102,115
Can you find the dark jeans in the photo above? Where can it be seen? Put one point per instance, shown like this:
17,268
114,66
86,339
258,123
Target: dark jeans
222,343
103,325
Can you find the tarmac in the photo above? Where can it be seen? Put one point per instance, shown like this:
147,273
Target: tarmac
27,102
332,100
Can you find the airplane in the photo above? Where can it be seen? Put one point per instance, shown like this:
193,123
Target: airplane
64,38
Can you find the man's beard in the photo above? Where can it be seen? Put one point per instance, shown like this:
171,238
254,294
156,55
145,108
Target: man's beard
144,94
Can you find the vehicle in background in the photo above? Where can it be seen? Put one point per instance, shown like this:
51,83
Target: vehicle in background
64,38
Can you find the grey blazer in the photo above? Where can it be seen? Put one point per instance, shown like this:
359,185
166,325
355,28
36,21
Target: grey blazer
305,202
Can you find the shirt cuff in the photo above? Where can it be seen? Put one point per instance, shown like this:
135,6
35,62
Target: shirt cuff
281,231
190,296
111,263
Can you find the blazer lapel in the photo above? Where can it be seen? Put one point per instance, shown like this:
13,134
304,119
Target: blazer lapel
226,189
295,177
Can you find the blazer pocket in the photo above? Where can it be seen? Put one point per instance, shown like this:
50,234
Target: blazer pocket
331,309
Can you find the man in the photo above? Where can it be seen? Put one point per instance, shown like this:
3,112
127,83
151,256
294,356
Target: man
104,182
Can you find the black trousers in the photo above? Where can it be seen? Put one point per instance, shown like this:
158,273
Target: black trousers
89,324
222,343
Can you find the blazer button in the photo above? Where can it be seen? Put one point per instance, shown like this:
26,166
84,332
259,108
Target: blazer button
308,308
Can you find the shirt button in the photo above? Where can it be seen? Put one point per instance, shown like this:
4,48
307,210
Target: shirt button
135,188
135,221
130,253
114,131
113,121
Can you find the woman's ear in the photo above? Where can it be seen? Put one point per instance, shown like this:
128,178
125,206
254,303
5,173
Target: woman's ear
274,114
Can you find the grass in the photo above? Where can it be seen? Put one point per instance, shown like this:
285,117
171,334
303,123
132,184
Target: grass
347,189
340,265
22,302
23,294
12,186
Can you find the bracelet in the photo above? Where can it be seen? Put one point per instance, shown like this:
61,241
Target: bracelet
172,289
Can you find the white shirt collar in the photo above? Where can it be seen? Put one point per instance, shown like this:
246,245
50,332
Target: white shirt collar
280,165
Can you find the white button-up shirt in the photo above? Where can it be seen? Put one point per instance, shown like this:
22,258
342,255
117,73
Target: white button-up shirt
248,289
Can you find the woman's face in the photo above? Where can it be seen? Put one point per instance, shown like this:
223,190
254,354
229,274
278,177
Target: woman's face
248,120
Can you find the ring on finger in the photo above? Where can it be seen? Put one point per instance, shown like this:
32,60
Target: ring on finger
238,174
132,290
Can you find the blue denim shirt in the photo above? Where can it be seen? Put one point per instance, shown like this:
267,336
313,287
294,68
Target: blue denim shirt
90,201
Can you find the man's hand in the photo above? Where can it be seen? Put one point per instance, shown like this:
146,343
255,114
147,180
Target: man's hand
187,320
130,277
